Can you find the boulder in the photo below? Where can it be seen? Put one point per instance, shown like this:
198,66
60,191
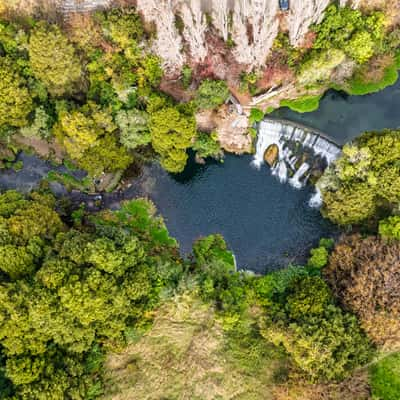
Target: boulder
271,155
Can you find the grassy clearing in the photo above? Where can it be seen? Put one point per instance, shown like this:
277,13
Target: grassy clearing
385,378
186,355
360,85
302,104
69,181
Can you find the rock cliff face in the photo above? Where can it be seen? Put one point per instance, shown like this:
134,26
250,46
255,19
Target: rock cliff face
252,25
302,14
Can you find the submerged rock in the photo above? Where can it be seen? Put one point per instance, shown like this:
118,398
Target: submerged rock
271,155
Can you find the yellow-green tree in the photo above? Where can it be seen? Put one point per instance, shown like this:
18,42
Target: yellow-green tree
171,134
53,60
365,179
15,99
88,135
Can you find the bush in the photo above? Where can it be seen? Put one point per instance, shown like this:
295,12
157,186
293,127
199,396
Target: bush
256,115
390,228
207,145
211,94
385,378
319,258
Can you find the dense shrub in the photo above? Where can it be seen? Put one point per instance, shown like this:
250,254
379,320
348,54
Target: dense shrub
211,94
390,228
385,378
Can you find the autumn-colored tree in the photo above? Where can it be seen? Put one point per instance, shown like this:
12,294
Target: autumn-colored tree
365,277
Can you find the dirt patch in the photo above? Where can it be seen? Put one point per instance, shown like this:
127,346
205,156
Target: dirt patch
47,150
353,388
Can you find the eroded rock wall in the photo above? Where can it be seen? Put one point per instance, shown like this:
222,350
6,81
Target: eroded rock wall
252,25
301,15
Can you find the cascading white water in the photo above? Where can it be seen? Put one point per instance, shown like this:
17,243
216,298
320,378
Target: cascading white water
268,134
295,179
279,133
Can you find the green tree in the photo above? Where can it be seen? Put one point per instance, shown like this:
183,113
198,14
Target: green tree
106,155
323,342
325,347
40,127
134,128
358,35
319,257
306,297
89,137
207,145
171,134
53,60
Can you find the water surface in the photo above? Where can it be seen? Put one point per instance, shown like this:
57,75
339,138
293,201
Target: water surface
266,224
343,117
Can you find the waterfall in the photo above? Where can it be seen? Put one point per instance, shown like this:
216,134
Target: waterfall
301,152
295,179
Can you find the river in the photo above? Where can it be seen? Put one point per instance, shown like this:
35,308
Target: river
267,224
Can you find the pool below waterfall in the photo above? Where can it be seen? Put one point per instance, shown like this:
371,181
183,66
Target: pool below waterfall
267,224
